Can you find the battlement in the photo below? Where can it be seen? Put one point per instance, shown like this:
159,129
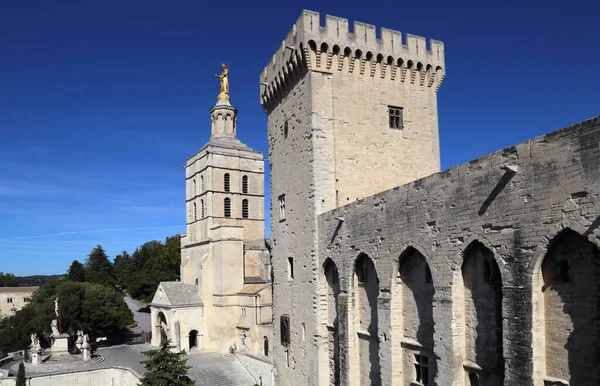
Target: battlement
333,47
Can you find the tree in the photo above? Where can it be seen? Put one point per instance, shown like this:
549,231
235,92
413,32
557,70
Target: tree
76,271
98,268
8,280
21,375
165,367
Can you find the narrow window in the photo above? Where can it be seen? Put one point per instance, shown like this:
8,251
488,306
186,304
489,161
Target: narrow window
202,184
196,281
282,207
26,300
284,327
226,182
245,208
563,266
202,208
9,300
195,214
266,346
290,268
227,207
421,363
194,183
243,312
245,184
396,117
285,129
303,331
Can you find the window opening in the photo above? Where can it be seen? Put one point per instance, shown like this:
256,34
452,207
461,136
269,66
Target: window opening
290,268
396,118
227,207
194,183
202,184
282,207
487,271
195,217
9,300
245,208
226,182
245,184
202,208
284,327
421,363
285,129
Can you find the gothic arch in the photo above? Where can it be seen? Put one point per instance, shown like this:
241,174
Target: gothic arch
366,323
332,325
565,296
481,319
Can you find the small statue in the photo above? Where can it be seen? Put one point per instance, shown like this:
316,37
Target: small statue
224,78
33,340
56,311
54,326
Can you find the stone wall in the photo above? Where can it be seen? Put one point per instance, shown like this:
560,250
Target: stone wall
465,249
110,376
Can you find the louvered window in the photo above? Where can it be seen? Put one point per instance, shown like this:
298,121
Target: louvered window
227,207
245,208
245,184
226,182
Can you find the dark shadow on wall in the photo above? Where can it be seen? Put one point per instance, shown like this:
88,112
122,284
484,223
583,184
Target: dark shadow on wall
416,276
483,295
333,292
369,283
570,272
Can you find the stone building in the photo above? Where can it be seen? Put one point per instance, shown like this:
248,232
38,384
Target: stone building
387,271
224,299
13,299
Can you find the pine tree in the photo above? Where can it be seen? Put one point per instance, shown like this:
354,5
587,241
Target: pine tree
21,375
76,271
166,368
98,268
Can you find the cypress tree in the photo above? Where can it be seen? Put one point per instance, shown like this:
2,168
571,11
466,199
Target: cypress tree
21,375
166,368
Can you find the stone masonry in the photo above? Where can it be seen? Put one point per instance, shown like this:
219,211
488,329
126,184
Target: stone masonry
483,274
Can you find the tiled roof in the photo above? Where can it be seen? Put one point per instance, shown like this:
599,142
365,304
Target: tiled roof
253,289
18,289
176,293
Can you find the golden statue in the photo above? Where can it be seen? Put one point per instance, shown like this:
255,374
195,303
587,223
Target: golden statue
224,78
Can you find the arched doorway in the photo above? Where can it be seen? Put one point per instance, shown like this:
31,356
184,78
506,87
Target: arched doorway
193,339
266,346
162,322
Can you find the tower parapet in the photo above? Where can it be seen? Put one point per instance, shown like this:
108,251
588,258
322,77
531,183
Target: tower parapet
333,47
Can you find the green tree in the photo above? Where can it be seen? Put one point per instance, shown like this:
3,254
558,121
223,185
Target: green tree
166,368
124,268
76,271
98,268
8,280
21,375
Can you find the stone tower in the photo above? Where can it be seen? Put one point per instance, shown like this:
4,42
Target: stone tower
224,245
349,115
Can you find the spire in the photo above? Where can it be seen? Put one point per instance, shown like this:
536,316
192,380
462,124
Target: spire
223,115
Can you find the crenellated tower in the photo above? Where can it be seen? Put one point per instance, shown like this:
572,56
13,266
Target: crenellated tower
349,115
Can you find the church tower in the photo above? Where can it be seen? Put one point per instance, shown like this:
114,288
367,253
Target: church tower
349,116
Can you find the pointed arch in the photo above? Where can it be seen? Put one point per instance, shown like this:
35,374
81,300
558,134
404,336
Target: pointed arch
366,292
482,320
332,279
567,295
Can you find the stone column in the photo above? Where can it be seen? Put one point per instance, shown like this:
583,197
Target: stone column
344,341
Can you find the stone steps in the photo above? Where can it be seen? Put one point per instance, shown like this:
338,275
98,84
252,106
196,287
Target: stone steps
213,369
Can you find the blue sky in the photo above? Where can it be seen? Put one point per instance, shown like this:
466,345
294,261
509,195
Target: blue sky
101,102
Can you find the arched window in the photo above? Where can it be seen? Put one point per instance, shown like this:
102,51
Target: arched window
245,184
202,208
196,281
227,206
266,346
245,208
201,184
195,213
194,183
226,182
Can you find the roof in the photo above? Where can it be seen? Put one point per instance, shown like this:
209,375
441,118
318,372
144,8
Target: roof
175,293
18,289
253,289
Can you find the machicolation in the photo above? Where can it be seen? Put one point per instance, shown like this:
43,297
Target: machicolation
333,48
